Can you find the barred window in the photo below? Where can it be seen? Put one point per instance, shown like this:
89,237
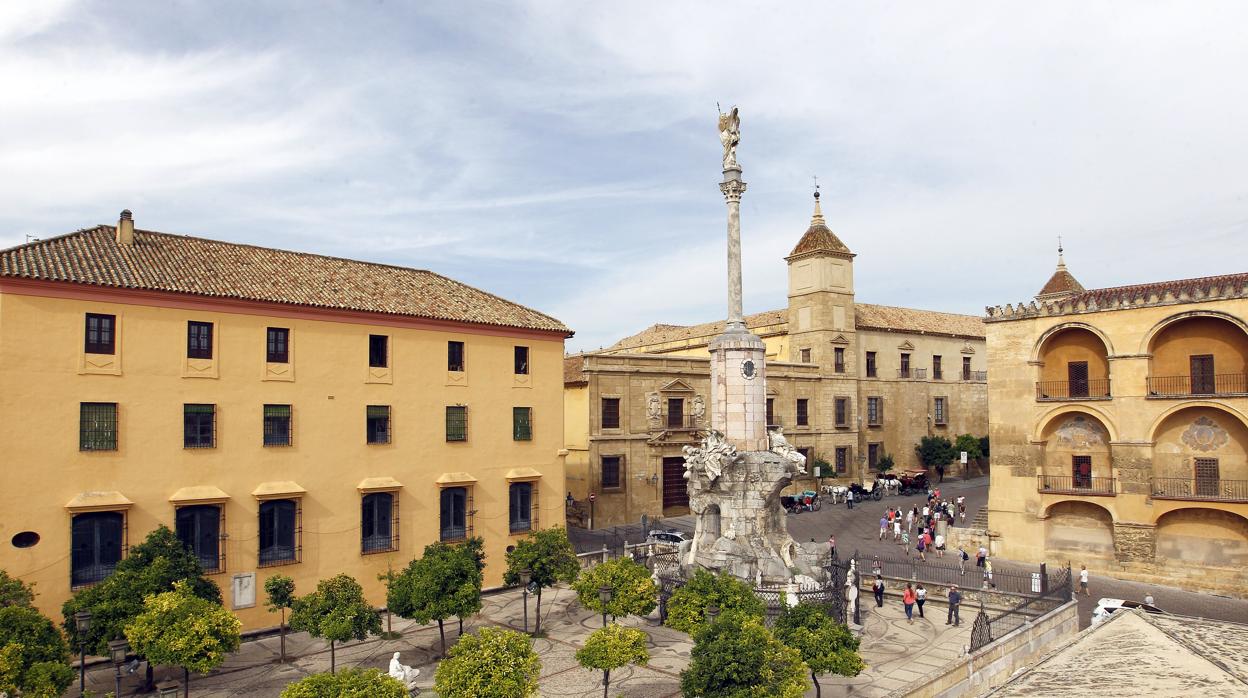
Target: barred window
377,424
875,411
966,368
838,359
905,365
520,516
97,426
280,532
522,423
455,514
97,543
842,459
611,472
873,454
379,518
522,361
456,423
842,411
455,356
101,336
278,346
199,528
803,413
378,351
610,413
198,340
277,425
199,426
805,354
870,364
939,410
937,369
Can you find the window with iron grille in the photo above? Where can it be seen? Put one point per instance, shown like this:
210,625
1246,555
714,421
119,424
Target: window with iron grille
454,356
199,426
377,424
875,411
838,359
803,414
456,514
200,529
805,353
870,364
771,411
378,351
842,411
873,454
905,365
277,350
1208,476
842,459
98,541
521,361
277,425
97,426
101,336
456,423
936,368
521,513
379,522
966,368
281,532
939,411
611,472
198,340
522,423
610,413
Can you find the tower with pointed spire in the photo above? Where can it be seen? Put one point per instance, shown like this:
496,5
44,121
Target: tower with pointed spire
1062,284
821,298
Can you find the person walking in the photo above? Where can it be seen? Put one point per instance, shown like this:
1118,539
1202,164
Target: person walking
897,529
955,598
962,558
1083,580
980,555
877,588
849,499
921,546
905,542
940,545
962,512
832,547
907,599
910,521
883,526
988,574
920,595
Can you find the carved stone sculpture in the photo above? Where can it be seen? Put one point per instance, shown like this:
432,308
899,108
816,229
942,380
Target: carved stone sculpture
699,407
709,458
654,407
730,136
781,445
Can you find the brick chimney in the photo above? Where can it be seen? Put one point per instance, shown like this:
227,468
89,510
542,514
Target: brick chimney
125,229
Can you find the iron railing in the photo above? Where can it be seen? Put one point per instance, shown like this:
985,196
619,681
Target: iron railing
1200,489
916,373
1055,592
1075,484
1091,389
1189,386
681,421
976,376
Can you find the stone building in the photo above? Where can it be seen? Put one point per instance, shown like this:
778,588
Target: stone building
278,410
1119,428
847,382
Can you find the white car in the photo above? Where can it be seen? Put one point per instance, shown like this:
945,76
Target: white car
668,537
1107,607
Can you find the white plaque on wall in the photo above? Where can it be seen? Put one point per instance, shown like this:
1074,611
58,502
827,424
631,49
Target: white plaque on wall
243,588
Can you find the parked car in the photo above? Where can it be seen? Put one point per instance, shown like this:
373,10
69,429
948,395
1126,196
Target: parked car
1107,607
668,537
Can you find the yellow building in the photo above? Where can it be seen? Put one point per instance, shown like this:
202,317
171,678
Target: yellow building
848,383
283,412
1119,428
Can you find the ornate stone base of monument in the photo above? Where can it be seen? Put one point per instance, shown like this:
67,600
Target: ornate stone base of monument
739,390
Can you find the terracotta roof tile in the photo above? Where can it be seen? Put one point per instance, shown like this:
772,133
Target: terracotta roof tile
1105,296
661,334
819,237
183,264
574,370
886,317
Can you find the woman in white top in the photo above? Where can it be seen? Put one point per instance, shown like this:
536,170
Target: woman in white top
920,595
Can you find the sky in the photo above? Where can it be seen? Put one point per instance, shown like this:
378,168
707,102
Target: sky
564,155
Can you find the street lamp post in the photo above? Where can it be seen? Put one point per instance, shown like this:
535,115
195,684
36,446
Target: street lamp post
525,576
604,595
82,623
712,612
117,650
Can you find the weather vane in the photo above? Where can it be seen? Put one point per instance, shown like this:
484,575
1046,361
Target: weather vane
816,178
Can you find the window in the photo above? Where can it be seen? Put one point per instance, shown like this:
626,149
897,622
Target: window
97,542
939,411
456,423
279,532
278,349
675,412
610,413
1077,374
378,351
101,334
937,373
455,356
522,361
377,424
199,426
379,518
873,454
904,372
522,423
1207,477
875,411
277,425
838,359
842,411
611,472
1081,471
1202,374
771,412
842,459
198,340
199,529
966,368
805,356
870,364
520,515
97,426
803,416
454,516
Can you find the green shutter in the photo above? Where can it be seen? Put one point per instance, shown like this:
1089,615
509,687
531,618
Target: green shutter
378,411
199,409
522,423
277,410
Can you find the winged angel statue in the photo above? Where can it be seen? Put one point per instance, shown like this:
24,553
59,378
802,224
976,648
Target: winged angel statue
729,136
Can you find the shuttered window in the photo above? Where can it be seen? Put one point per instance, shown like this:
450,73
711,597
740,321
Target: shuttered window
522,423
277,425
97,426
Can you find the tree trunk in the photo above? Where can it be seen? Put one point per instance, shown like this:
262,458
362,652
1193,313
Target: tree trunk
461,625
537,626
149,679
332,663
186,683
389,628
818,689
606,681
442,633
282,630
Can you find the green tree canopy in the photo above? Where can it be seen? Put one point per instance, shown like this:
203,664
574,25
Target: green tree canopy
33,654
14,592
968,443
491,663
279,591
149,568
612,647
935,451
550,559
336,611
824,644
633,592
351,683
884,464
739,658
686,609
443,582
178,628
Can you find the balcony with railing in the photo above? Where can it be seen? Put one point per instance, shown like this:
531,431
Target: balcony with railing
676,421
975,376
1200,489
1198,385
912,373
1056,391
1076,484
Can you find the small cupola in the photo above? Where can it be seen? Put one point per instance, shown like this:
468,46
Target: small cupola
1062,284
819,238
125,229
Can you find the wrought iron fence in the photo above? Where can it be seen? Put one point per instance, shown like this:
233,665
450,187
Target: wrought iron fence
988,628
1091,389
1201,489
1199,384
951,569
1075,484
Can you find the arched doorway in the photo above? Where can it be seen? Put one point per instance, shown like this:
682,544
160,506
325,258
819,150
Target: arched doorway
1198,355
1200,452
1077,455
1079,530
1202,537
1074,365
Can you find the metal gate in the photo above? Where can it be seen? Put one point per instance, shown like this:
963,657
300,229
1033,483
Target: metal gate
675,490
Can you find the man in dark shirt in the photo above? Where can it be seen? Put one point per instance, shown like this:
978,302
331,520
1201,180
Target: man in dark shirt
955,598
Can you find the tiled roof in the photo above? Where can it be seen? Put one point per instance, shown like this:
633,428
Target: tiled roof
819,237
1101,296
1121,297
661,334
1061,283
183,264
885,317
574,370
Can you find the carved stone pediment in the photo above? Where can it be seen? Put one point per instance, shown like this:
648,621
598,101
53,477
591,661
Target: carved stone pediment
676,386
906,346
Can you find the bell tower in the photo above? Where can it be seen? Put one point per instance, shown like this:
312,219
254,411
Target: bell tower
821,298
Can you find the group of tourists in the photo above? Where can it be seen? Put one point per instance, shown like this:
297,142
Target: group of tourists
915,594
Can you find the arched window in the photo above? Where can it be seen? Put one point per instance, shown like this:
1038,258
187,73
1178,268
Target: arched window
521,515
377,516
199,529
97,542
454,513
279,532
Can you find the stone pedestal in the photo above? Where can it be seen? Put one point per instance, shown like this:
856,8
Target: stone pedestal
739,390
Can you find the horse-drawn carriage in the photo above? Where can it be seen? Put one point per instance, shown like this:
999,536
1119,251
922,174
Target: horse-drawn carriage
797,503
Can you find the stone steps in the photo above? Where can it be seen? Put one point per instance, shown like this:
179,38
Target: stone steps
981,518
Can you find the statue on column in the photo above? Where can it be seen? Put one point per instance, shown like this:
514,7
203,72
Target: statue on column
729,137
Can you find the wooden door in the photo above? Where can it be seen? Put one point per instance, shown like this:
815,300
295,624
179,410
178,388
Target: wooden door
675,491
1202,374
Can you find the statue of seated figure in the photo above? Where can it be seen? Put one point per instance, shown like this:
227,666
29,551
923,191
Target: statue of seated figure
405,674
